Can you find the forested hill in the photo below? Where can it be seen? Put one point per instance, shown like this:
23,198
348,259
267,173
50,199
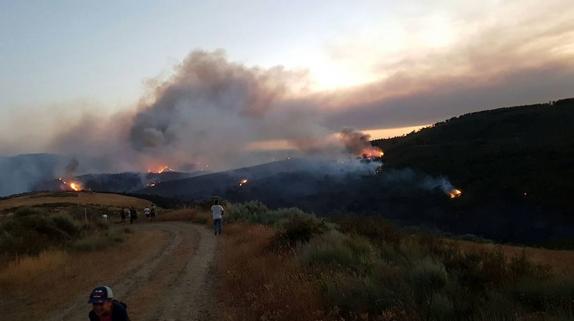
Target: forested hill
513,153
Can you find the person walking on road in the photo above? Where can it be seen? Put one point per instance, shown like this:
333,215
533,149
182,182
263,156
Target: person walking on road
217,215
133,215
153,211
105,307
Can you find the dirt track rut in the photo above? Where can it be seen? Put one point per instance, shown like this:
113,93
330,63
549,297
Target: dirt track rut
175,283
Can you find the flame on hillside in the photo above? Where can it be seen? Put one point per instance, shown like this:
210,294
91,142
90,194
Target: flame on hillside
243,182
455,193
372,152
160,169
72,185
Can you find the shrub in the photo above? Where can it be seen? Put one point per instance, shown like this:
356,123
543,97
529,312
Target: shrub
440,307
541,295
97,241
67,225
27,211
297,228
31,231
375,228
252,212
427,276
337,251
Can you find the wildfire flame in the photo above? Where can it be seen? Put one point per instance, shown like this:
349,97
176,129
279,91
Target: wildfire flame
74,186
243,182
372,152
160,169
455,193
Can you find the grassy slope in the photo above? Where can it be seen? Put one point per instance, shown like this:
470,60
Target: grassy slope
373,271
72,198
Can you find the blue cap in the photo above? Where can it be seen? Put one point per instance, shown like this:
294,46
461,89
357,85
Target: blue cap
101,294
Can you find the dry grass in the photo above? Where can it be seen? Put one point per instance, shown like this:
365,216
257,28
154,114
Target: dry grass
186,214
24,269
257,284
81,198
560,261
24,284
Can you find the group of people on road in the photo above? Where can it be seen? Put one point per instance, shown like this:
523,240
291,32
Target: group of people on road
105,307
130,214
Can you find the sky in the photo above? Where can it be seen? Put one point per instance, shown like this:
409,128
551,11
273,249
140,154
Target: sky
382,67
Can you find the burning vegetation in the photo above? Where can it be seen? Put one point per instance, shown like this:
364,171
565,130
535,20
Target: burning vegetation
71,185
243,182
372,153
160,169
359,144
455,193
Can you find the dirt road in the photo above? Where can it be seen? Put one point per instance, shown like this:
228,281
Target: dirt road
174,284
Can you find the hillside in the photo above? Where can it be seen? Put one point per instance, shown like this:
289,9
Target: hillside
521,153
514,166
71,198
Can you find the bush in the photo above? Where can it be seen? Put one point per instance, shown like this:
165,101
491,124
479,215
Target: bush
297,228
428,276
31,231
253,212
27,211
67,225
440,307
336,251
411,276
540,295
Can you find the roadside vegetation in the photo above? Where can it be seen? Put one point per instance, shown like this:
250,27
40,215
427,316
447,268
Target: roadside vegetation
30,231
285,264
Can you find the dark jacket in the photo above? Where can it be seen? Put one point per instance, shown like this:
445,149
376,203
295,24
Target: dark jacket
119,313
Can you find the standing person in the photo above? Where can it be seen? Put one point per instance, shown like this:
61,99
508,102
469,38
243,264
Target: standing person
153,211
105,307
127,214
123,215
217,215
133,215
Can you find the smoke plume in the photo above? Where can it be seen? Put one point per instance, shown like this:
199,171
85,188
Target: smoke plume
212,108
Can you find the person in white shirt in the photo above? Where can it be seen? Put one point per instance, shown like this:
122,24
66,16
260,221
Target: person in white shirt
217,215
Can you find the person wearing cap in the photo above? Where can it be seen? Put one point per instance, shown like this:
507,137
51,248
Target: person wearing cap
105,307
